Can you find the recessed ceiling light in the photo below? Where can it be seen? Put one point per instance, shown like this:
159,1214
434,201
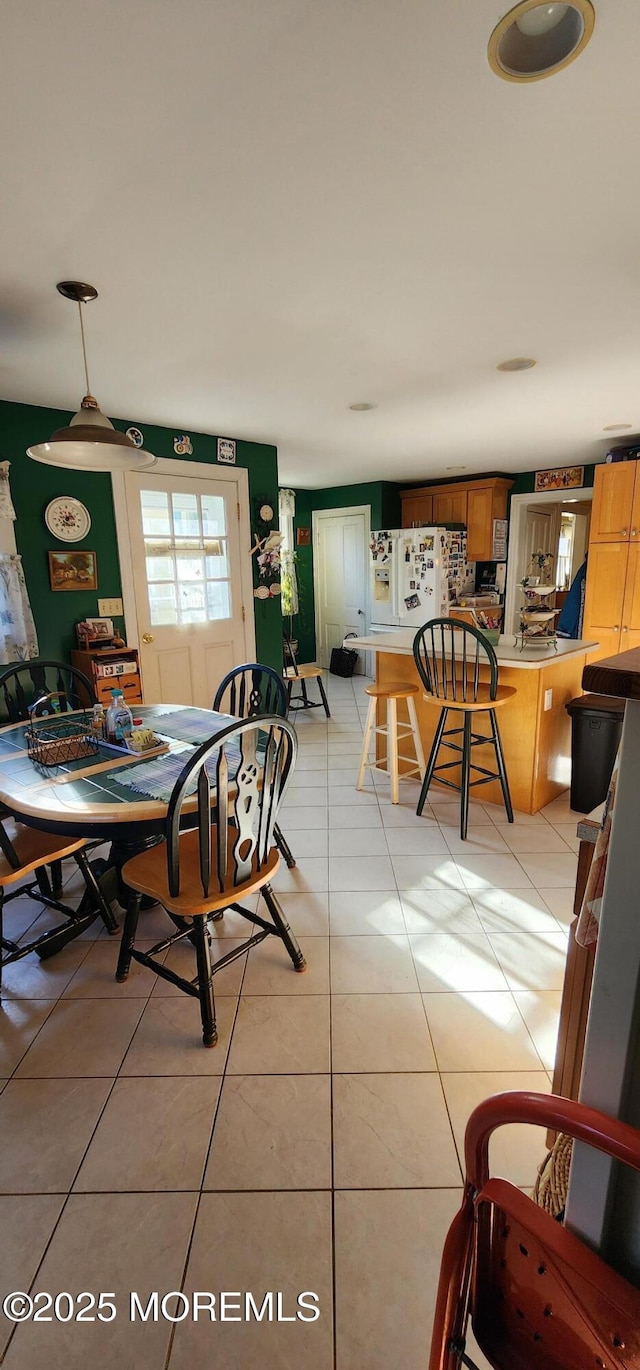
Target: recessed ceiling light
535,39
361,407
456,468
615,427
516,364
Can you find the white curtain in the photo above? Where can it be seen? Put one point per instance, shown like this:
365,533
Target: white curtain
287,509
18,641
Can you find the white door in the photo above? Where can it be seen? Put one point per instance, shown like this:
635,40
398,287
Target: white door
186,564
542,530
341,568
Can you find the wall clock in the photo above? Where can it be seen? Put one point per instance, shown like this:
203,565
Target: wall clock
67,519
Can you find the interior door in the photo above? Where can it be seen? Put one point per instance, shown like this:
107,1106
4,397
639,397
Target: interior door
605,596
542,527
185,548
341,561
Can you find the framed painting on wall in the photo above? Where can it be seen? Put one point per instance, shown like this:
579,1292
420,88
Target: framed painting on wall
73,571
562,478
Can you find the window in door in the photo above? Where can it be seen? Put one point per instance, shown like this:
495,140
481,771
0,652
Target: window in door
186,557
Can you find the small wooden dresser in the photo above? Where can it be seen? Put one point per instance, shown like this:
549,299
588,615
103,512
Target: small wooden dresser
111,667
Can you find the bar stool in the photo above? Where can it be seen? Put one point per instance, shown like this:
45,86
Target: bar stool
448,655
392,693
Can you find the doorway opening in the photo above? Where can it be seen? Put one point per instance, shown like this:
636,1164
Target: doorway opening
555,523
340,577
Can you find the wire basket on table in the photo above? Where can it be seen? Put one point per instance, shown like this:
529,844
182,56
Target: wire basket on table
55,739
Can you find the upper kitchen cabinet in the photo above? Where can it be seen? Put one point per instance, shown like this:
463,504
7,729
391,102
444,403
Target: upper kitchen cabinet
616,503
449,506
475,503
417,510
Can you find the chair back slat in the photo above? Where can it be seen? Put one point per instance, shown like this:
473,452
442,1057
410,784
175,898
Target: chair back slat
29,681
252,762
222,806
449,654
250,690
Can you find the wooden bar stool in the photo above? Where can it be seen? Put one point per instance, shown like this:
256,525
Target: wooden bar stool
392,693
449,655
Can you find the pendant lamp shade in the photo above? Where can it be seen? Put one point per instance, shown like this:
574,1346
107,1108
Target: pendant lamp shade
90,442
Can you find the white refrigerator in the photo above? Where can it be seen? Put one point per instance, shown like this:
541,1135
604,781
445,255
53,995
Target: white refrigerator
416,573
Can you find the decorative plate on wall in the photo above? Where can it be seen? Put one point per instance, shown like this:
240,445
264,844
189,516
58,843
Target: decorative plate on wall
67,519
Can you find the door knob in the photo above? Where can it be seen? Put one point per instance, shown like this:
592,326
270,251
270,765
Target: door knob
147,637
616,627
361,611
625,630
624,532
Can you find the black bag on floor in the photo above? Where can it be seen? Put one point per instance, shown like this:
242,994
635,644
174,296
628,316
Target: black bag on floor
343,659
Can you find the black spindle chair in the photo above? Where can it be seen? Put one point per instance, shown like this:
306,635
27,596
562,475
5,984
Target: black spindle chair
459,670
201,871
302,673
248,691
21,687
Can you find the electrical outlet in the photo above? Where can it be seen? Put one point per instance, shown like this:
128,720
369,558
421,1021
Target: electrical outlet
107,608
548,699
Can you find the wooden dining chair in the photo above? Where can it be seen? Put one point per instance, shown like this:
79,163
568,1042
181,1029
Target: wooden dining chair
247,692
293,672
26,852
198,873
450,657
21,687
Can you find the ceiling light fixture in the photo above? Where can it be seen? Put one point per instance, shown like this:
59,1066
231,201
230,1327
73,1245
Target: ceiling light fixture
456,468
361,407
517,364
616,427
535,40
90,443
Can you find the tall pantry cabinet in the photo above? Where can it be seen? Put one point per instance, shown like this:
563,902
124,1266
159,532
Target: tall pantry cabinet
612,600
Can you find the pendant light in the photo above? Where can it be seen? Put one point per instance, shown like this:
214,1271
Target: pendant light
90,443
538,38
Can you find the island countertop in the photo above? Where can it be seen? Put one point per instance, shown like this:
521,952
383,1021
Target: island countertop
399,642
534,724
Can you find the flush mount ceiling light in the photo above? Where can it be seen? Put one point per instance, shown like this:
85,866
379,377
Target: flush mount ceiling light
90,443
456,468
516,364
535,40
616,427
362,407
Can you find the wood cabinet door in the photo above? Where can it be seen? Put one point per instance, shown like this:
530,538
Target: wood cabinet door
630,635
634,532
417,511
613,501
458,507
450,507
479,524
605,596
441,509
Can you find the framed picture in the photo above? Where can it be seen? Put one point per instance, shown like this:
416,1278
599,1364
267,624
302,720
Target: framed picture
73,571
562,478
303,537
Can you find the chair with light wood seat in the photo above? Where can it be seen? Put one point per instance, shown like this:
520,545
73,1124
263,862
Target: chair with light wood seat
392,693
309,671
26,851
450,657
243,771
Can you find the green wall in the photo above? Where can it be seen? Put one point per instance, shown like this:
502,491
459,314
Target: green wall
384,498
33,486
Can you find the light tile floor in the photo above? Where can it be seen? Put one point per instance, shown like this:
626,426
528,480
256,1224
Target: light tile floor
318,1146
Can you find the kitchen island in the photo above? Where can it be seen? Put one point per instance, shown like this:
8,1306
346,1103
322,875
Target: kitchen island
534,725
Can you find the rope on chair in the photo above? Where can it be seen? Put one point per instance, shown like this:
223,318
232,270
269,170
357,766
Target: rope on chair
552,1184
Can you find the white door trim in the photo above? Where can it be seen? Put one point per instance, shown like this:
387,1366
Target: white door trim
165,466
517,516
316,516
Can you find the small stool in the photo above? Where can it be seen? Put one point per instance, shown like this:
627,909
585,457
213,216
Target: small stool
392,693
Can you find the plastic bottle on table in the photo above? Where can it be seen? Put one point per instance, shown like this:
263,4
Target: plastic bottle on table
119,720
97,721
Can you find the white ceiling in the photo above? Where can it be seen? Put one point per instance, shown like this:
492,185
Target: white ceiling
291,205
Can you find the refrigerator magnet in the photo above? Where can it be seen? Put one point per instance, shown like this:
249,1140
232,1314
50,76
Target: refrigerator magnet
413,602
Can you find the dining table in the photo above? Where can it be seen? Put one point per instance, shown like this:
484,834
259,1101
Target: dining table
112,796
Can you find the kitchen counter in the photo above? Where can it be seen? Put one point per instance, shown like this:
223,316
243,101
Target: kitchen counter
399,642
534,725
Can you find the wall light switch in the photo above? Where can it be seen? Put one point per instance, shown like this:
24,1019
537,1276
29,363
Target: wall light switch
108,607
548,699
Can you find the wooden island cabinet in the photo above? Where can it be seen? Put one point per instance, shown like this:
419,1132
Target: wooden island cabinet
475,503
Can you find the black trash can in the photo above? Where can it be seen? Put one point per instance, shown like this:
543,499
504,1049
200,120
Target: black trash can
596,725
